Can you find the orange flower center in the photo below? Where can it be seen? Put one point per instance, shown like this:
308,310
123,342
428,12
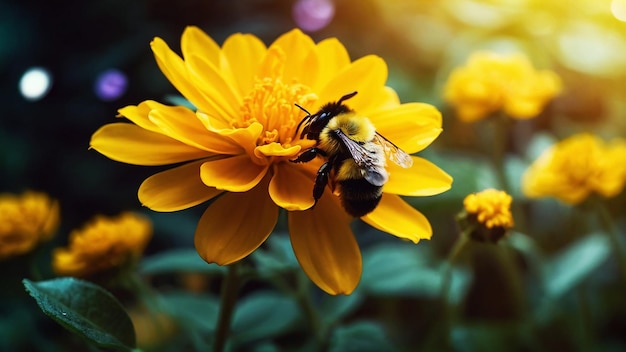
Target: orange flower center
272,104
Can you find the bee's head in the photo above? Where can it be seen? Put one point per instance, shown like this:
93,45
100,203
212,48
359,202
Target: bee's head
315,123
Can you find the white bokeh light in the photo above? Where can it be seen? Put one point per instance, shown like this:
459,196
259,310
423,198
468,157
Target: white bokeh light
618,9
35,83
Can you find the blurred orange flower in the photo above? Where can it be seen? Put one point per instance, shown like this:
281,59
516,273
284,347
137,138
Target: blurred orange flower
26,221
105,243
492,82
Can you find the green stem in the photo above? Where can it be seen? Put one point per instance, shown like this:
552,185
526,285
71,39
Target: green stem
611,230
230,288
500,134
442,328
585,337
456,250
311,316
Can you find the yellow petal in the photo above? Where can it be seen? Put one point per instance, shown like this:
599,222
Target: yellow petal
215,86
175,69
276,149
195,41
325,246
234,174
380,99
423,178
132,144
291,187
182,124
245,138
334,58
139,115
243,54
176,189
411,126
393,215
235,225
366,75
310,75
296,47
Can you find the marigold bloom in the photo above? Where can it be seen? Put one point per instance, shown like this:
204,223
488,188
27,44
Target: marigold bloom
491,82
576,167
26,221
104,243
491,207
240,140
488,214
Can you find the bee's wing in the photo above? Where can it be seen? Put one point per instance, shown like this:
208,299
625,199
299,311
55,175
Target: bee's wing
370,160
397,155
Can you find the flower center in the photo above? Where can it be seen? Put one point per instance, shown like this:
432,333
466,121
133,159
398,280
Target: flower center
272,104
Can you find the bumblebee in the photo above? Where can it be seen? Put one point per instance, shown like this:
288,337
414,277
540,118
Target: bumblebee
356,155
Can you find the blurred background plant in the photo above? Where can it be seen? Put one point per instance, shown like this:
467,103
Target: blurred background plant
554,282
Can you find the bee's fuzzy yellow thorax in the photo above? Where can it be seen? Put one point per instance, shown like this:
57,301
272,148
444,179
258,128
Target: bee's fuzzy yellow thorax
358,128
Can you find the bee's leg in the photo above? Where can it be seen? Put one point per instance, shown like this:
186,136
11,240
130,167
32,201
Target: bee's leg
321,180
308,155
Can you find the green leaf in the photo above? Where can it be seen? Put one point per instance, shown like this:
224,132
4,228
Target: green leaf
575,263
486,337
196,315
178,260
276,257
335,308
471,172
399,270
195,311
361,337
86,310
263,314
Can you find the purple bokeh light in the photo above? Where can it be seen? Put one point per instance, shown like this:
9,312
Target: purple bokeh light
313,15
110,85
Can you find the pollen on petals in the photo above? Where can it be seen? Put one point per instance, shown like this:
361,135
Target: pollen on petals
272,103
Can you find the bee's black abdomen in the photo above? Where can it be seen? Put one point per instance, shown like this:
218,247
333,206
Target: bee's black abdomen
359,197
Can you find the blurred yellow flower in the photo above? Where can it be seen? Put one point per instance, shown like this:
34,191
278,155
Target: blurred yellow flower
105,243
487,215
491,207
26,221
576,167
492,82
239,142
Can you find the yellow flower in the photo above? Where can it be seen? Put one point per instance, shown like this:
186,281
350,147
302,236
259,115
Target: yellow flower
491,207
491,82
576,167
239,142
487,215
103,244
26,221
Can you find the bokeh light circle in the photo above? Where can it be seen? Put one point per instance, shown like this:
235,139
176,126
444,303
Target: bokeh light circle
313,15
35,83
110,85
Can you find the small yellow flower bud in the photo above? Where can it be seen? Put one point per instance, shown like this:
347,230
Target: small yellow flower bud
487,215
